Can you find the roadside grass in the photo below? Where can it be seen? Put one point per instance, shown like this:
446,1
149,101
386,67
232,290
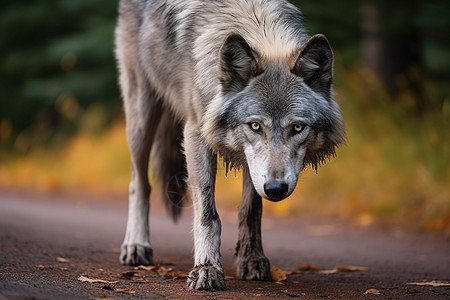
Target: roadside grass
393,168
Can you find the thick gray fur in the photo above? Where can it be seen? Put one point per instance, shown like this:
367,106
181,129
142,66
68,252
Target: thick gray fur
235,78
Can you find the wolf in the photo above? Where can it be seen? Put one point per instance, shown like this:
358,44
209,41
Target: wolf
239,79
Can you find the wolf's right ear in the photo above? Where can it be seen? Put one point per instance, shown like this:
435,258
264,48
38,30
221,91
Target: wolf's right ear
315,64
238,63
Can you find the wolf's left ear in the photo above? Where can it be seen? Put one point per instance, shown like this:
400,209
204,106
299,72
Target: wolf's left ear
315,64
238,63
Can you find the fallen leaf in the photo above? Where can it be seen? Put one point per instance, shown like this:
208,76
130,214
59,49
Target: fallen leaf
433,283
412,291
90,280
146,268
164,272
277,274
62,260
128,275
176,275
344,268
124,291
107,287
142,281
329,272
309,268
372,292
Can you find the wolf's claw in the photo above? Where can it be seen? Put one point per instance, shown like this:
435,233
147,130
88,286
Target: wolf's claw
253,268
136,254
206,278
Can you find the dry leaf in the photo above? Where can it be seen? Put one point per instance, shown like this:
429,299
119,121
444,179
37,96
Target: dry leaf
277,274
62,260
124,291
329,272
344,268
309,268
165,272
107,287
146,268
142,281
179,275
90,280
128,275
433,283
372,292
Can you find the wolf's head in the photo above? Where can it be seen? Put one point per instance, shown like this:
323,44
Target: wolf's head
275,116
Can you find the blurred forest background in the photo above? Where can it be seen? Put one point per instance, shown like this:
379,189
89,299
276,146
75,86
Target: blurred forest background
62,127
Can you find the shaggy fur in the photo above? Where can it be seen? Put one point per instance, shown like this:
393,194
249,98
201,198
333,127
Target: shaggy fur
235,78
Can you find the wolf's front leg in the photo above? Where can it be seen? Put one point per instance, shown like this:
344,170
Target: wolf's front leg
251,262
207,273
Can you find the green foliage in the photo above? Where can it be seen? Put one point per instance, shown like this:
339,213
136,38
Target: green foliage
56,61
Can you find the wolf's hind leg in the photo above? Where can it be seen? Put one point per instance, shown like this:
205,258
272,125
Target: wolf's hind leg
142,116
251,262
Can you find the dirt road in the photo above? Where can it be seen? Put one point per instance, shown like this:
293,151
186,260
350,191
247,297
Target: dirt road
47,243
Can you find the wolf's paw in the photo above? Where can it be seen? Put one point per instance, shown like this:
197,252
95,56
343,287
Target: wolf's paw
136,254
206,278
253,268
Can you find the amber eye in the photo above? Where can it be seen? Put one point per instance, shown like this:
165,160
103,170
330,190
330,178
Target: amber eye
255,126
297,128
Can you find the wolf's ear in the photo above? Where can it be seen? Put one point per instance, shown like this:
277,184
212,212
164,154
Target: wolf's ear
315,64
238,63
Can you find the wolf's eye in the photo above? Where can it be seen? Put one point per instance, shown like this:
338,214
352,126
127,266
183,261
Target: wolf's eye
297,128
255,126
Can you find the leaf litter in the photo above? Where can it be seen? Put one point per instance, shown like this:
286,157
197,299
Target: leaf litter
62,259
372,292
344,268
433,283
277,274
165,272
83,278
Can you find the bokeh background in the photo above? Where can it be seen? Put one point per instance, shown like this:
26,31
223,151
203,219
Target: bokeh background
62,125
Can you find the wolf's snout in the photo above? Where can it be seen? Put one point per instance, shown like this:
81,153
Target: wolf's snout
276,190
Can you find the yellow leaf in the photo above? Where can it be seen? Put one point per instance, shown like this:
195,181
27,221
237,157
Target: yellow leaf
143,281
372,292
329,272
344,268
90,280
146,268
277,274
179,275
124,291
309,268
433,283
62,260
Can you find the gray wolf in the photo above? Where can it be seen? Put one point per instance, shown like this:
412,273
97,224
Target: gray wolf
236,78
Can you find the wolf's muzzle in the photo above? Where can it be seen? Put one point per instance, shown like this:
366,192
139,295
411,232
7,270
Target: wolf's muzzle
276,190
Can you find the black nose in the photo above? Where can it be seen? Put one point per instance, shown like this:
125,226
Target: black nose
275,190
